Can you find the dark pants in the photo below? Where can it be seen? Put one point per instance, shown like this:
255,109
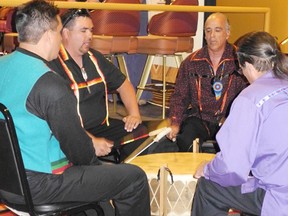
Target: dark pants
116,132
125,184
211,199
193,128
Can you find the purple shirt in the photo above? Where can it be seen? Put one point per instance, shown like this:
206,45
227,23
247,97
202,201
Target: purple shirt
255,137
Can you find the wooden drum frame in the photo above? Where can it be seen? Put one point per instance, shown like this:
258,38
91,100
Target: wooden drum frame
167,198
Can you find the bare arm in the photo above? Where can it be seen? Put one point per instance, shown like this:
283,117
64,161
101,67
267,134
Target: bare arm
127,94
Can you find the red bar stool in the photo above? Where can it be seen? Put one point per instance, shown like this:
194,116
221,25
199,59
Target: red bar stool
170,34
115,32
6,14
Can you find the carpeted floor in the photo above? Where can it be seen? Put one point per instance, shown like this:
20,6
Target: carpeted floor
148,111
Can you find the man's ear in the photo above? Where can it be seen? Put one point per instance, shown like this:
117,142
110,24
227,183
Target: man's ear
65,33
228,35
47,37
249,66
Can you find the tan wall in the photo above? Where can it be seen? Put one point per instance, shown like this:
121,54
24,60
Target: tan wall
242,23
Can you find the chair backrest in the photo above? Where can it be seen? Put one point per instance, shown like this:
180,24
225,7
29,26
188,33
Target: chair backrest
179,24
116,23
13,180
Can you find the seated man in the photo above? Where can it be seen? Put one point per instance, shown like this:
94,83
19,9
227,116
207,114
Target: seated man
60,158
207,83
248,174
91,77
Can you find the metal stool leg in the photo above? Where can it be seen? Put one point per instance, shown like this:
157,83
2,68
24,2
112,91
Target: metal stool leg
145,76
164,88
178,59
122,65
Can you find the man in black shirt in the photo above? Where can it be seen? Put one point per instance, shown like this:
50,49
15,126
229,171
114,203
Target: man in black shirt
91,77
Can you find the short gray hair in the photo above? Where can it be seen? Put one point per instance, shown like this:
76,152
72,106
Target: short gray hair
34,18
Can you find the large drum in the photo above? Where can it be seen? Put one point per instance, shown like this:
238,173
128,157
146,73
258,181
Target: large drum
178,195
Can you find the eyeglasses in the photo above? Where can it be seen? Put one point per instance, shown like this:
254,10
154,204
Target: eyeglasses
74,13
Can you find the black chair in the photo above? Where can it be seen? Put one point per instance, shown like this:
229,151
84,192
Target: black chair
13,180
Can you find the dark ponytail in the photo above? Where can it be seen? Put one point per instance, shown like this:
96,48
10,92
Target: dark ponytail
262,51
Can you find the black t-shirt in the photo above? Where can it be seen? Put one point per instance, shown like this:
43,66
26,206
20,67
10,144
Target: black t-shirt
92,99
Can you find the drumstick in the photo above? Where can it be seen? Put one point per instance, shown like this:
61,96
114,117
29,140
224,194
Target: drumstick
152,133
134,139
148,142
162,133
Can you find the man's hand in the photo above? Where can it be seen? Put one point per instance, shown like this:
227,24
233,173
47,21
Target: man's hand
102,146
174,131
131,122
200,170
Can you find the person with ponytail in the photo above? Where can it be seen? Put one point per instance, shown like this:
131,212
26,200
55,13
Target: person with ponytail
248,174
